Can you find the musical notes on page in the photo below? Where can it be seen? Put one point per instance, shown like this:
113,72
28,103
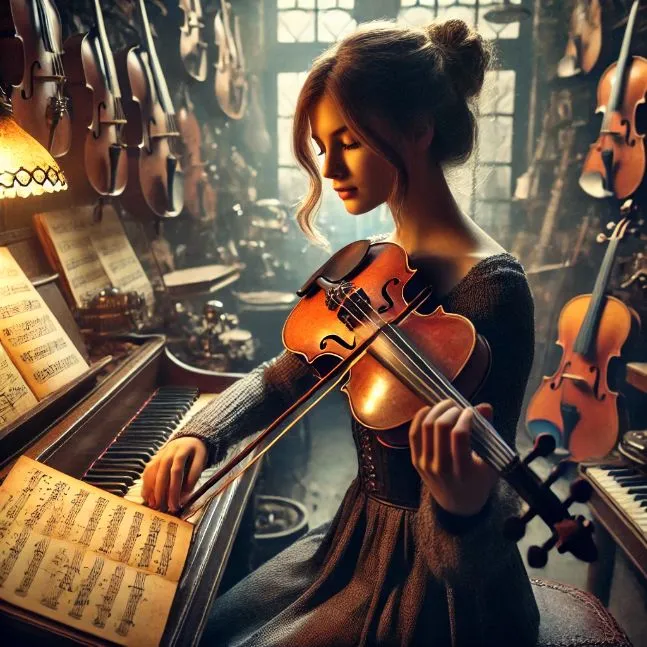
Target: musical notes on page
15,396
33,339
86,558
73,254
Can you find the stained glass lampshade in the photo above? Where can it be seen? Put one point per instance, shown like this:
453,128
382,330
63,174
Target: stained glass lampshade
26,167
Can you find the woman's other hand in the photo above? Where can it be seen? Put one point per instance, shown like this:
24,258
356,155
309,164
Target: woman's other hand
172,472
440,443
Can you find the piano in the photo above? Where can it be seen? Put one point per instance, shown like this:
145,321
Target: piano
103,428
619,508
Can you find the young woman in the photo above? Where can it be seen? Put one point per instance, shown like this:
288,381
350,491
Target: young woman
415,554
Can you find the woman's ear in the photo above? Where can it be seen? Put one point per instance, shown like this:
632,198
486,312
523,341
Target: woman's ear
424,136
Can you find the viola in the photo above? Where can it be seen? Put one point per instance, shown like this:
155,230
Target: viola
97,164
615,163
193,47
199,195
155,182
576,404
39,104
359,314
585,39
231,84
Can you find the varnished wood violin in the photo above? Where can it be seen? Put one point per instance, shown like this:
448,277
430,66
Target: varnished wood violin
359,314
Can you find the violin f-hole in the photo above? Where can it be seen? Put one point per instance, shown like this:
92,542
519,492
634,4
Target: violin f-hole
385,295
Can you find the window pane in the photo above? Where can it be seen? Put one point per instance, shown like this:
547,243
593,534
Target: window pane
495,135
335,24
494,217
296,26
289,85
498,92
492,182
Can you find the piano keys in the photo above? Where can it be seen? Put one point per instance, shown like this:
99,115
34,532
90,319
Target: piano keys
619,507
106,439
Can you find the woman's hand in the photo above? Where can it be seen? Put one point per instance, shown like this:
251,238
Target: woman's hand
439,439
173,471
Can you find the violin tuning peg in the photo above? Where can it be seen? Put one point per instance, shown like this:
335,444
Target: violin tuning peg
601,238
544,446
611,226
538,555
581,491
514,528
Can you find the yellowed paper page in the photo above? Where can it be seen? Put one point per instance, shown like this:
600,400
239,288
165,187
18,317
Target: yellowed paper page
69,233
118,257
15,396
86,558
32,337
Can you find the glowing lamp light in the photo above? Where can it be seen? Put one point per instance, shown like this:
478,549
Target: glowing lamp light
26,167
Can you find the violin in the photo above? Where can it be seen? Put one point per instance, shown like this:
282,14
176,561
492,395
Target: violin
585,39
576,404
193,47
231,85
39,104
97,164
615,163
199,195
359,314
155,182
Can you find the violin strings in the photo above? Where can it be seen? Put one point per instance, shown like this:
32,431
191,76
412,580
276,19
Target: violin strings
488,439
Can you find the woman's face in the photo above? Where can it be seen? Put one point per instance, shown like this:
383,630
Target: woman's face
362,179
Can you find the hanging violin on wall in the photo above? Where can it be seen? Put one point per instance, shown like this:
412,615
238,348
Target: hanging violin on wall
585,39
576,404
193,47
39,104
97,164
155,179
615,163
199,195
231,83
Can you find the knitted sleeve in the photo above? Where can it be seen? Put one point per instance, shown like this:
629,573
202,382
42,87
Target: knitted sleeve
249,404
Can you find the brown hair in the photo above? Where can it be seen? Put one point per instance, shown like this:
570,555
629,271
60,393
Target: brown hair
410,77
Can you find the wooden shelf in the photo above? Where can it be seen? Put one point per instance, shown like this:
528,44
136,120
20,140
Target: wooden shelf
637,375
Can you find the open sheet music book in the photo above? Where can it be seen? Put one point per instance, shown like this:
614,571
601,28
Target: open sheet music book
37,357
91,255
86,558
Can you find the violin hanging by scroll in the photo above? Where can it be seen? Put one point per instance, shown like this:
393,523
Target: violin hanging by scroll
97,165
193,47
39,103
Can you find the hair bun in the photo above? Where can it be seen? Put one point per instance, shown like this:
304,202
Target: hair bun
465,52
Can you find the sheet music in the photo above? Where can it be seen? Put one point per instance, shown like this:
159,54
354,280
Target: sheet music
15,395
118,257
86,558
69,233
32,337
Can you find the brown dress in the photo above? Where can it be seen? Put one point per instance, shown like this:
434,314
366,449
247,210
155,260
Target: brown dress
391,568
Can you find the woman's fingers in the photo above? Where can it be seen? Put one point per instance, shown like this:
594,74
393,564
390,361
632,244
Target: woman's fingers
461,443
415,435
177,475
442,430
148,482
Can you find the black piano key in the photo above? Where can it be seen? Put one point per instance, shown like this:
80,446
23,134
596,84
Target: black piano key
637,489
622,471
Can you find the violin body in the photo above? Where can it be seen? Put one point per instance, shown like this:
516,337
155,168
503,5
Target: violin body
619,152
193,48
97,164
575,404
154,187
585,39
199,195
39,104
448,340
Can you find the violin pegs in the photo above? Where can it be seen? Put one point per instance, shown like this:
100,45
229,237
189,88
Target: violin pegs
581,491
538,555
544,446
514,528
556,473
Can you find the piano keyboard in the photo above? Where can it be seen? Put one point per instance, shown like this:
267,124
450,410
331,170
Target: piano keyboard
118,470
627,489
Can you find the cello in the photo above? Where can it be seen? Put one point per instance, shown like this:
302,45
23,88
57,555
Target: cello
97,164
39,105
576,404
155,182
